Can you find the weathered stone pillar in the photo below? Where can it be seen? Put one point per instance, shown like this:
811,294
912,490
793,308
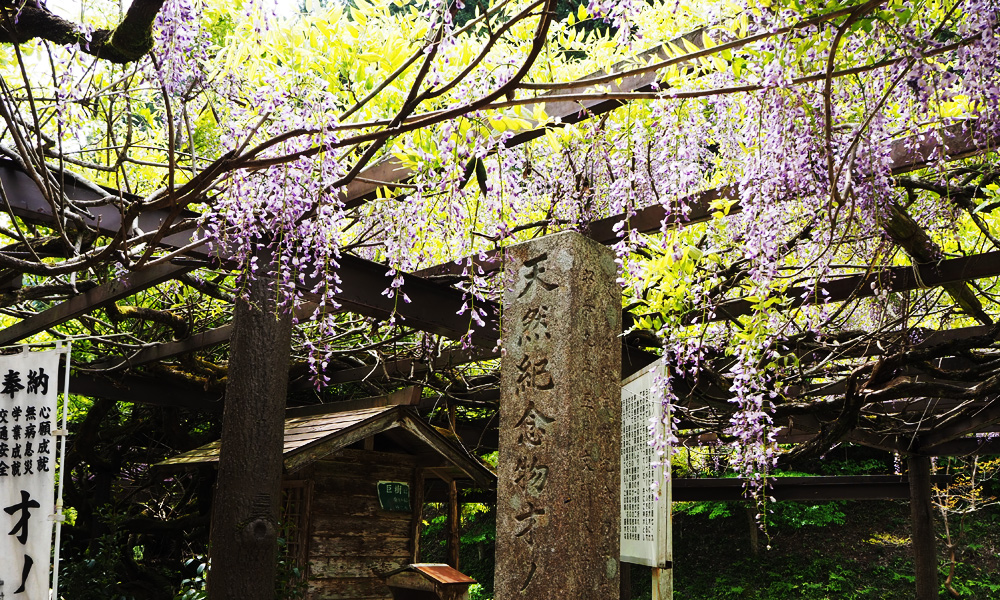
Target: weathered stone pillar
558,500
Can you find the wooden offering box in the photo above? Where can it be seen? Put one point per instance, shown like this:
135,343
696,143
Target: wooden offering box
429,581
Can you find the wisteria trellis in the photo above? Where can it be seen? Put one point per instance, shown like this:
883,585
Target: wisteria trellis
799,119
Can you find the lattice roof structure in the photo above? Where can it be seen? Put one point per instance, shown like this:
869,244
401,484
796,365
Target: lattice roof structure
164,361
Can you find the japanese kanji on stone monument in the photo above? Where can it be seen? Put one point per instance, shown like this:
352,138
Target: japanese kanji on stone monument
557,504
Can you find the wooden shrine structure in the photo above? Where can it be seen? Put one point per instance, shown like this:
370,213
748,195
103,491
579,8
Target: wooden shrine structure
354,488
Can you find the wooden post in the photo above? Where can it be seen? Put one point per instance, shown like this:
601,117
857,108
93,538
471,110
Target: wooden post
625,585
754,529
418,513
663,585
922,523
454,521
454,535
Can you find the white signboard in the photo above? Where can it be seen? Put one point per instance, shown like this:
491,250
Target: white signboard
645,515
29,384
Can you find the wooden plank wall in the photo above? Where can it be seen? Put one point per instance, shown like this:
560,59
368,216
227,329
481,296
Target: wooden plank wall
353,541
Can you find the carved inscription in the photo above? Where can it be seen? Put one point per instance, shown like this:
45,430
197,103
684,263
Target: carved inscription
532,477
535,268
589,316
528,519
592,321
536,327
533,379
533,373
532,426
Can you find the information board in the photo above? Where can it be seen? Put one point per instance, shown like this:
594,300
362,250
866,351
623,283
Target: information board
645,516
29,383
394,496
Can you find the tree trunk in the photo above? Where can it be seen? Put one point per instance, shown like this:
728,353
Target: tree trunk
922,519
243,538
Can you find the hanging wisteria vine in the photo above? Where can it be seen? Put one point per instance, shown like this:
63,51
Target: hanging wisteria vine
768,135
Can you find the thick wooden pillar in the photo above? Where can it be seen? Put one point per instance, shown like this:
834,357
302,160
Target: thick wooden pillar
560,422
454,525
418,513
922,524
243,539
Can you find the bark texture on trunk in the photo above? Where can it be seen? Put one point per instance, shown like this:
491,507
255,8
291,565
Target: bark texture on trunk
130,41
245,508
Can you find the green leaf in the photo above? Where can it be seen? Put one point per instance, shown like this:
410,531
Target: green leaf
481,175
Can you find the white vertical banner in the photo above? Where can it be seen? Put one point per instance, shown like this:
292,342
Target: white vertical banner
29,385
645,529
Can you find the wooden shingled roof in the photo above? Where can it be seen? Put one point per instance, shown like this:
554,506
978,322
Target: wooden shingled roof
436,572
309,438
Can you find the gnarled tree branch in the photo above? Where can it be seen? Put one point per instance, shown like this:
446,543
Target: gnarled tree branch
130,41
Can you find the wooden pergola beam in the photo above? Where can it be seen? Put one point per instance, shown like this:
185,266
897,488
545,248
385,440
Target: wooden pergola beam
145,390
126,286
163,351
433,307
408,367
852,487
957,141
891,279
427,298
974,419
859,347
967,446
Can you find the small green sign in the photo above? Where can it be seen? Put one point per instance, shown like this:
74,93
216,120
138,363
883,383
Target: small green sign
394,495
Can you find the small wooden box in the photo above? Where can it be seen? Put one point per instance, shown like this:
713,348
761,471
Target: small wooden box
428,581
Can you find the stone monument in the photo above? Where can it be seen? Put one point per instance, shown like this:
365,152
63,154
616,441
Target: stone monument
558,492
